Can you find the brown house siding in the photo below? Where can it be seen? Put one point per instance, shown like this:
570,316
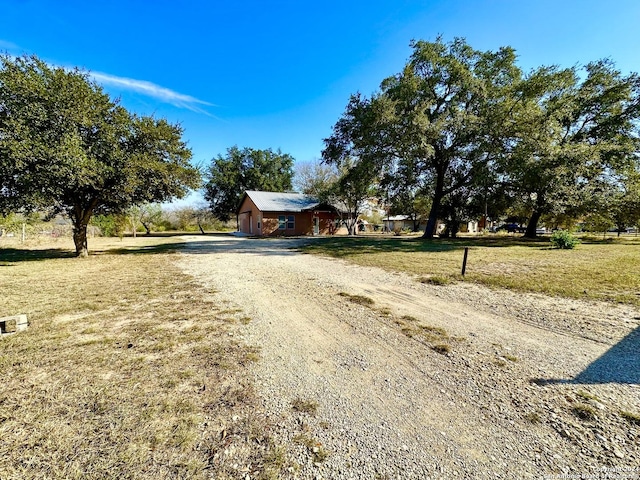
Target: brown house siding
254,222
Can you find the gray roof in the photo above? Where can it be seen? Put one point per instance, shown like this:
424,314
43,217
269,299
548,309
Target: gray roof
282,202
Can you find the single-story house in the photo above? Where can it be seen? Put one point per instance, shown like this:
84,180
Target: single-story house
274,213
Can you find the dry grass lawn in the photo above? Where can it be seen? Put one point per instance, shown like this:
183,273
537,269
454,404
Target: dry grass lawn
603,270
127,370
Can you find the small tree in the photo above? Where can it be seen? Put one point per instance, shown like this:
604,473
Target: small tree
350,192
315,177
150,216
203,217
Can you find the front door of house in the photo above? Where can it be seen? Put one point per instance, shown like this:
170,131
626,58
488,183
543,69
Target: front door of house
316,226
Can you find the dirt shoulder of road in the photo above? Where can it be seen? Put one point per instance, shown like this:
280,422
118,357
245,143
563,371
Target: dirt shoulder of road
367,374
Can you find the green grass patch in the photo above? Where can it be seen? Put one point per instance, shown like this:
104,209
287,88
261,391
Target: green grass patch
439,280
358,299
533,417
318,452
587,396
631,417
608,270
437,338
442,348
584,412
309,407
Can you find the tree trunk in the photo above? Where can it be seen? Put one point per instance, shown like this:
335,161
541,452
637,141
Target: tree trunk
430,230
532,225
80,240
455,227
80,216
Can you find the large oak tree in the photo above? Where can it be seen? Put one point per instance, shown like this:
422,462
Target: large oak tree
570,133
66,147
438,119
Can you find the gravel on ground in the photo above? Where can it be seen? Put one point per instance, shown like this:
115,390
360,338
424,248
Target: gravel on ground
368,374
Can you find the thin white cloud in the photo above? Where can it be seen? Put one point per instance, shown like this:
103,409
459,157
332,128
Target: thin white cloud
5,45
152,90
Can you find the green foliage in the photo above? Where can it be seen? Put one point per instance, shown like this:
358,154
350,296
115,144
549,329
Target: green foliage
471,132
359,299
110,225
66,147
351,190
13,222
584,412
433,127
374,218
564,240
305,406
151,216
437,280
631,417
597,222
247,169
571,134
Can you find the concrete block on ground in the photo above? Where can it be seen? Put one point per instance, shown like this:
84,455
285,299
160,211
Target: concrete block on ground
14,323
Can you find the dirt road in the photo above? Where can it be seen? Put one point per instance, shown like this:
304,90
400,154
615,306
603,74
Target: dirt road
427,382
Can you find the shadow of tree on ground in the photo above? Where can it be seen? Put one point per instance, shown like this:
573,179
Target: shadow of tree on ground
13,255
619,364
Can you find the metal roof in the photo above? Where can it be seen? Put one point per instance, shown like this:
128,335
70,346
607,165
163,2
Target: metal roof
282,202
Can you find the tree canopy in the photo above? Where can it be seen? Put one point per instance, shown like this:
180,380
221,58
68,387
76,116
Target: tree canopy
245,169
459,128
434,123
66,147
571,133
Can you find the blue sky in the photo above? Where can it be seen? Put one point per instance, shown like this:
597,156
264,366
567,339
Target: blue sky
278,74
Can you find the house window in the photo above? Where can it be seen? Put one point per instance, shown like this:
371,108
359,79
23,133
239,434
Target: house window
286,222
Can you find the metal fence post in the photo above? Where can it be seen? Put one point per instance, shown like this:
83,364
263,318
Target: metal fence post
464,260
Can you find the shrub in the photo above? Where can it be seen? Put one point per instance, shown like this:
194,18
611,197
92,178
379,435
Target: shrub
564,240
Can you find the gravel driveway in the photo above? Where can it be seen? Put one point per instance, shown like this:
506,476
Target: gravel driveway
527,387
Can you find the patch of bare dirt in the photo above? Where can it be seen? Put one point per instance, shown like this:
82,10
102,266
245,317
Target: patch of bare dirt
456,381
